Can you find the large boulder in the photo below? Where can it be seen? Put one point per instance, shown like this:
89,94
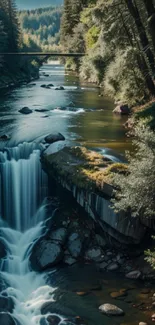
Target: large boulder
51,138
6,319
122,109
45,254
111,310
25,110
58,235
6,304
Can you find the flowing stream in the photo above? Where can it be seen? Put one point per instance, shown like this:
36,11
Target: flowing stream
24,188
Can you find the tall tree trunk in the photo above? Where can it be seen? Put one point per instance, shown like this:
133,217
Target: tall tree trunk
142,33
151,18
142,65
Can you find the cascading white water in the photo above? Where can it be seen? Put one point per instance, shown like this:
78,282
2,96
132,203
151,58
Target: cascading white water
23,184
23,190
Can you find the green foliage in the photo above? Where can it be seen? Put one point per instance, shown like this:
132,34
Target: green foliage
147,114
41,26
92,36
118,42
150,257
136,191
11,41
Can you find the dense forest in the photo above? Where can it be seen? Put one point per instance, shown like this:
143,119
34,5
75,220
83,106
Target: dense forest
13,69
119,39
42,26
33,4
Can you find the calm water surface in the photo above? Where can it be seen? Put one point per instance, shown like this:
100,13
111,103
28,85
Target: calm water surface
99,128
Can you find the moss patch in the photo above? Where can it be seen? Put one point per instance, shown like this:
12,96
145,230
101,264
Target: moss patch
83,168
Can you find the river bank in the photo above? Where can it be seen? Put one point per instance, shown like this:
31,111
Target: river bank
12,80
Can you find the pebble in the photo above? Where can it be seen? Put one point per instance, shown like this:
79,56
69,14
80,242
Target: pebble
111,310
82,293
142,323
112,267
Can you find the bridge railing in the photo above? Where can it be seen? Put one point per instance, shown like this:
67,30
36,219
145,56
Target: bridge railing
42,54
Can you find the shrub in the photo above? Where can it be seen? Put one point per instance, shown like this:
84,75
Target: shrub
135,192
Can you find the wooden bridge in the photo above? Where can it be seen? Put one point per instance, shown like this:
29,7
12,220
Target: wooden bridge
46,54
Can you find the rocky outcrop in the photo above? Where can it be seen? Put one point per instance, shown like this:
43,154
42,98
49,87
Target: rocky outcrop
87,175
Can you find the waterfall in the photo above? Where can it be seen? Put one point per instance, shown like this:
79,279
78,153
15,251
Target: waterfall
23,187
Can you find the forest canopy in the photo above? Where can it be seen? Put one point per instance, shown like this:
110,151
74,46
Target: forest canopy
42,26
119,40
11,41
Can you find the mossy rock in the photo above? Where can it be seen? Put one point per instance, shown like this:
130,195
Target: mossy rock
81,167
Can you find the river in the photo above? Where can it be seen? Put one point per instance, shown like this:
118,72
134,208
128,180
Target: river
93,125
24,188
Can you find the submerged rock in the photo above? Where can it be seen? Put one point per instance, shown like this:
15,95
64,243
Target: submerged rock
53,319
6,319
51,85
42,110
111,310
71,104
25,110
51,138
60,88
43,86
45,254
4,137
